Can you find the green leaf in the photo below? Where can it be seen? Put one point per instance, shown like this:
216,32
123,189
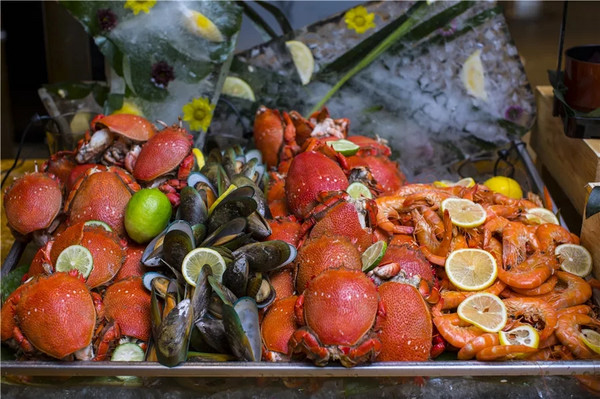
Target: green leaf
12,281
593,203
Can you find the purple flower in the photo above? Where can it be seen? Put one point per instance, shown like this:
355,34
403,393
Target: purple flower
448,30
106,19
162,74
513,113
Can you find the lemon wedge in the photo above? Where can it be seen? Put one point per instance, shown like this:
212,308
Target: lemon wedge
236,87
463,212
592,339
471,269
303,59
485,311
473,77
521,335
196,258
198,24
505,186
199,158
466,182
574,259
541,216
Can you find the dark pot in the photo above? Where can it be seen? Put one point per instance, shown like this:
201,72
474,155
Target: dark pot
582,77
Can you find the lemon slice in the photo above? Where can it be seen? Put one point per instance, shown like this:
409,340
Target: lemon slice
344,147
592,339
303,59
221,197
471,269
198,24
522,335
483,310
75,257
357,190
466,182
473,77
373,255
574,259
237,87
463,212
199,158
195,259
541,216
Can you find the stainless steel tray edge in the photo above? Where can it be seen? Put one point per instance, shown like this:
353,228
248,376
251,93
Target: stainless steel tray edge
262,369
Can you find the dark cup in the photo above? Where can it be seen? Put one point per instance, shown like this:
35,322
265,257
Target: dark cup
582,77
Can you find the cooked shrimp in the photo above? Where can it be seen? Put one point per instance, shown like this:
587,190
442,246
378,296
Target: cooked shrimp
551,235
545,288
530,273
476,344
503,352
452,328
453,298
432,198
533,311
387,210
568,331
571,290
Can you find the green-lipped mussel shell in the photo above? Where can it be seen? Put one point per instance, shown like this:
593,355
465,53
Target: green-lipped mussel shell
226,233
261,202
153,254
174,335
267,256
243,329
258,226
192,207
176,245
212,332
235,276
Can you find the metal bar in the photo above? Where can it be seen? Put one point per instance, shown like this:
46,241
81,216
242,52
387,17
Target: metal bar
262,369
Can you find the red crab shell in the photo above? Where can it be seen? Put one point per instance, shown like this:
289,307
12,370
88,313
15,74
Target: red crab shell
374,146
277,327
324,252
385,172
406,329
409,260
127,303
133,265
285,229
32,202
282,281
55,315
311,173
162,153
105,247
60,165
131,126
78,171
268,134
101,195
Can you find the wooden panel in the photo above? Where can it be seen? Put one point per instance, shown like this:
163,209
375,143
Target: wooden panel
573,163
590,235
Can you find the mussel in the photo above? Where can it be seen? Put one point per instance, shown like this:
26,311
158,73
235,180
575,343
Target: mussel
236,275
238,203
226,233
153,253
243,329
267,256
192,208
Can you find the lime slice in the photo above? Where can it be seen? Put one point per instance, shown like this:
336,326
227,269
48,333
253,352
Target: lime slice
221,197
198,24
128,352
463,212
199,158
357,190
98,223
195,259
344,147
485,311
473,77
75,257
574,259
466,182
303,59
236,87
592,339
471,269
541,216
373,255
522,335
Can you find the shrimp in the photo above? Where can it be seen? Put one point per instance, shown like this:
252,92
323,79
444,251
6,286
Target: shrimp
427,238
545,288
432,198
536,312
571,290
530,273
399,239
476,344
503,352
517,241
555,352
453,298
583,309
434,221
455,331
506,211
387,210
568,331
551,235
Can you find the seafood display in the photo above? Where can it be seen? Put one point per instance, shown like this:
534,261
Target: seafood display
314,248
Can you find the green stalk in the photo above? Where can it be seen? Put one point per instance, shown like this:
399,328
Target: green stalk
401,31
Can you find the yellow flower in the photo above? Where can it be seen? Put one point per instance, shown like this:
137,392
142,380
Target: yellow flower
198,113
129,108
359,19
140,5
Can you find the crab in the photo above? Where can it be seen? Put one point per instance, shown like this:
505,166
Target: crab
287,229
107,249
101,195
338,312
276,328
32,204
115,141
166,161
385,172
52,314
125,312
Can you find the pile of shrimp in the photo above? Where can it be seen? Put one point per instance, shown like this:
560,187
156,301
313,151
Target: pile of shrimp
530,283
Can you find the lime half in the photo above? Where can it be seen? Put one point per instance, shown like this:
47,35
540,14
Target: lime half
373,255
303,59
344,147
357,190
128,352
193,262
236,87
98,223
75,257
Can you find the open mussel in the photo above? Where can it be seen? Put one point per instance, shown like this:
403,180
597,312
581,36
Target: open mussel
238,203
260,289
217,176
261,202
242,328
226,233
267,256
154,251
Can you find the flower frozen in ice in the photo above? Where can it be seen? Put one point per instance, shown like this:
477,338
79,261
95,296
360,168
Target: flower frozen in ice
139,5
162,74
198,113
106,19
359,19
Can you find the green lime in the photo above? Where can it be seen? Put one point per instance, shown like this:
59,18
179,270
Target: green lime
98,223
147,214
195,259
128,352
357,190
75,257
373,255
344,147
